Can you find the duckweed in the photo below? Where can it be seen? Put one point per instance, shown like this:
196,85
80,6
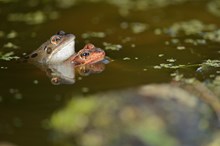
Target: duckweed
32,18
136,27
126,58
10,45
93,35
8,56
213,35
168,66
214,7
195,42
160,55
12,34
181,47
201,67
212,63
124,6
191,27
171,60
114,47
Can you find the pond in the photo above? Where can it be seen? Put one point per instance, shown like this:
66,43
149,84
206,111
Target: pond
147,42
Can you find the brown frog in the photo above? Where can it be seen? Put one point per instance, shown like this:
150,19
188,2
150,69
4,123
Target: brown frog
88,55
57,49
61,48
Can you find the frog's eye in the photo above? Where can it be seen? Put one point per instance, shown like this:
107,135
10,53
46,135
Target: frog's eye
55,81
84,71
55,39
84,55
61,33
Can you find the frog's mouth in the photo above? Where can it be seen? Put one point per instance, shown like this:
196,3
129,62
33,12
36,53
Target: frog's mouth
61,54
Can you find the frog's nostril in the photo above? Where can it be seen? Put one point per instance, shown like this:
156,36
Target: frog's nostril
34,55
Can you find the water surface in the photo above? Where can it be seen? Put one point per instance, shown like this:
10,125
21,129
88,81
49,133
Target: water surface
28,99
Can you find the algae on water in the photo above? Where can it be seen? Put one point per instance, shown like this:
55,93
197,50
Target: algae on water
8,56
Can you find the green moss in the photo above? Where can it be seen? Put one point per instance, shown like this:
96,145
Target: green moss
74,117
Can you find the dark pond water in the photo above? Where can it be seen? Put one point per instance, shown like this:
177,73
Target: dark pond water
154,41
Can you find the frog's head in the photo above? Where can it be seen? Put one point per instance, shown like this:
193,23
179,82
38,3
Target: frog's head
88,55
59,48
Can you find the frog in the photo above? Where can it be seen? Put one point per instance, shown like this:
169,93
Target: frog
57,57
88,55
58,48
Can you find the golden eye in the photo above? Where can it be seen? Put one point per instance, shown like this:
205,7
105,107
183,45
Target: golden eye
55,39
55,80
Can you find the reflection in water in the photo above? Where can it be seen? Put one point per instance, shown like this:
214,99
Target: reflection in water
85,70
64,73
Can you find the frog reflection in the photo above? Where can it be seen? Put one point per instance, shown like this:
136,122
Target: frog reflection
88,69
64,73
58,59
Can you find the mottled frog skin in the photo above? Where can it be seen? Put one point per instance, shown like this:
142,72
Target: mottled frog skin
57,49
88,55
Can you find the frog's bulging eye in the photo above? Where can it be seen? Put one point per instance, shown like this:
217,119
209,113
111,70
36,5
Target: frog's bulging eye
48,50
61,33
83,55
55,80
84,71
55,39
